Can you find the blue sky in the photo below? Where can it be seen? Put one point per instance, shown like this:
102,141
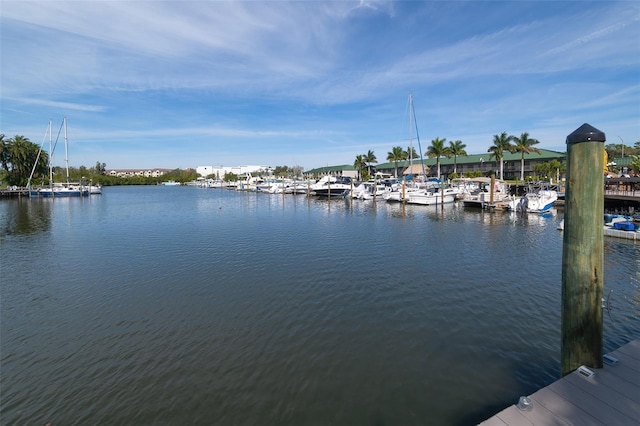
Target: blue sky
312,83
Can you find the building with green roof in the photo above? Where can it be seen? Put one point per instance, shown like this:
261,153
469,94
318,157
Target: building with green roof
484,163
344,170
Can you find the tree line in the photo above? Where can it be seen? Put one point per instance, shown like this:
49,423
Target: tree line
20,159
502,143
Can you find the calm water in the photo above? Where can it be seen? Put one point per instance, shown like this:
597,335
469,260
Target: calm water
177,305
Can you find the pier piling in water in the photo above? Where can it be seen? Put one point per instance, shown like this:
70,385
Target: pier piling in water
582,251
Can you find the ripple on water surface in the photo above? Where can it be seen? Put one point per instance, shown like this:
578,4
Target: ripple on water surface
179,305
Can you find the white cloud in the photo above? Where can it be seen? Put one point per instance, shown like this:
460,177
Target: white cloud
332,74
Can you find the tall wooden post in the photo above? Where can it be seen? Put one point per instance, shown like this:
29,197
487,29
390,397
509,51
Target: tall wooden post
493,188
403,192
582,251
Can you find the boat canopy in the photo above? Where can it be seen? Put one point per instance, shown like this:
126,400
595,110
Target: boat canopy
484,180
415,169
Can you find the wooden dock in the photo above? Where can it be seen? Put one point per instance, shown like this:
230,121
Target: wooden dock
611,396
13,193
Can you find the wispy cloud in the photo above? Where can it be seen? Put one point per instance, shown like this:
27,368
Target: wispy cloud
61,105
327,73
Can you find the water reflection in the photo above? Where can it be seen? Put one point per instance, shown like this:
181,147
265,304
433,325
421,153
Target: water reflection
25,216
250,308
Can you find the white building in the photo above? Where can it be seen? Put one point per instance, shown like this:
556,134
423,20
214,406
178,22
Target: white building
204,171
220,171
137,172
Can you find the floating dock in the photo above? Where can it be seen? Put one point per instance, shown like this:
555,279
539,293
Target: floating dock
605,396
618,233
13,193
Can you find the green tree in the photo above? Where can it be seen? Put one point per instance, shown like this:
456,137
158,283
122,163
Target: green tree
360,164
634,164
437,150
542,170
411,153
281,171
524,145
395,155
557,169
100,168
370,158
230,177
501,143
456,149
18,157
550,169
4,152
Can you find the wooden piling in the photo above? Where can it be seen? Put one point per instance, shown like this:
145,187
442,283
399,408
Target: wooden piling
582,251
493,188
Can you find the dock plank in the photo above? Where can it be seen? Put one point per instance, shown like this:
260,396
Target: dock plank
609,389
631,350
514,417
587,403
562,408
610,397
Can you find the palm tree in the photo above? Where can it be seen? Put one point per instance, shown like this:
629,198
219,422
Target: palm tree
524,145
501,143
411,153
369,158
4,153
19,156
396,154
634,164
456,148
437,150
360,164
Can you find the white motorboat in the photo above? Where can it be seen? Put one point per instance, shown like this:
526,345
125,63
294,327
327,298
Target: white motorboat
536,201
399,192
332,186
432,197
485,196
94,189
369,190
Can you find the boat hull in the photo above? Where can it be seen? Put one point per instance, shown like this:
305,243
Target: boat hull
334,191
67,193
430,199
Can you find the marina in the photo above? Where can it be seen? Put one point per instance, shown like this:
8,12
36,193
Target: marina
190,305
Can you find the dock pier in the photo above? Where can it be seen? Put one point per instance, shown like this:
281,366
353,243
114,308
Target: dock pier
587,396
13,193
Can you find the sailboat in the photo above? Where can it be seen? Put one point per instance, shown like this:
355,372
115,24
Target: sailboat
401,192
58,189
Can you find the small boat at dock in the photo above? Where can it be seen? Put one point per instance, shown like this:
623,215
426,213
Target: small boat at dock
536,200
484,196
332,186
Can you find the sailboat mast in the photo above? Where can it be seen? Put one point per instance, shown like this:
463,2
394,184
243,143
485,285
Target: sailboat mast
50,155
66,148
410,133
413,113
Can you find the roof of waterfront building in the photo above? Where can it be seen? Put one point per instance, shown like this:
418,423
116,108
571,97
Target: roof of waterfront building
544,155
332,169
